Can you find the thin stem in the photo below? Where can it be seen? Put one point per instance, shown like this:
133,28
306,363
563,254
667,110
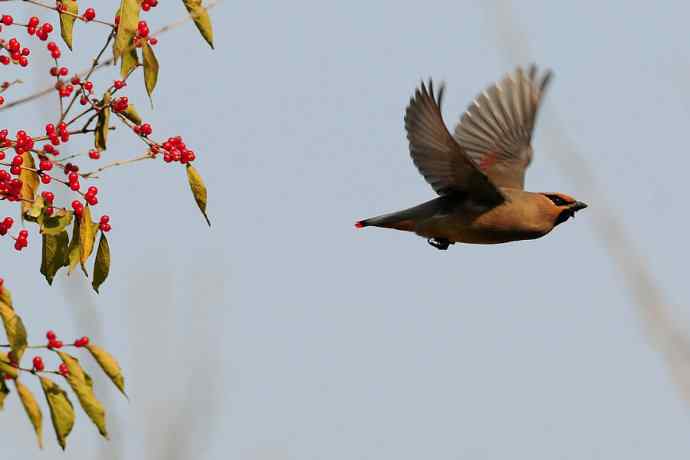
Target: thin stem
93,174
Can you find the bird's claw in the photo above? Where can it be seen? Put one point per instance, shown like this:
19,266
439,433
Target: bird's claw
439,243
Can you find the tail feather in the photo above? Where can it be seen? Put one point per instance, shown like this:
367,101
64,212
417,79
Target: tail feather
406,219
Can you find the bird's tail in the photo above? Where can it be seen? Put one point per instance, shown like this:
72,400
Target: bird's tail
406,219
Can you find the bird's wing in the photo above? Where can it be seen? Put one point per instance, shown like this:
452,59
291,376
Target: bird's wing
439,158
496,130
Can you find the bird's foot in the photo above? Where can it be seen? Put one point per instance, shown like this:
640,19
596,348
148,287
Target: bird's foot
439,243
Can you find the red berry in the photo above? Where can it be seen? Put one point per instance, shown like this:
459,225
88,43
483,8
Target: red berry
89,14
45,179
63,370
92,190
38,363
82,342
50,335
33,21
105,219
94,154
7,19
88,86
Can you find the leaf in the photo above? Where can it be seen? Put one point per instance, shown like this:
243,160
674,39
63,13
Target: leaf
87,236
127,28
74,249
29,182
6,367
150,68
55,254
15,331
201,19
130,61
35,210
61,409
33,411
55,224
132,115
198,190
102,125
67,21
5,296
109,366
101,266
82,385
4,391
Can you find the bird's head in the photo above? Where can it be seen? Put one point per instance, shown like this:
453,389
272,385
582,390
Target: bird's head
562,207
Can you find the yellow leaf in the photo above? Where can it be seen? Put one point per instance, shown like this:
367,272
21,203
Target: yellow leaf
61,409
102,125
132,115
74,249
109,366
82,385
87,236
29,180
55,254
16,333
6,367
67,21
201,19
4,391
35,210
33,411
130,61
101,266
55,224
198,190
5,296
127,28
150,68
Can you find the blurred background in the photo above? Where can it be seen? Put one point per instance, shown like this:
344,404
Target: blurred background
283,333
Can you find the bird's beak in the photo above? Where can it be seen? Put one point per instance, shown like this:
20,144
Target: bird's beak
577,206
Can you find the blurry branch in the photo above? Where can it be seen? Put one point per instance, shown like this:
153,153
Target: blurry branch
50,89
671,340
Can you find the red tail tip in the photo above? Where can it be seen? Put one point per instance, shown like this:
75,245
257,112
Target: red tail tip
359,224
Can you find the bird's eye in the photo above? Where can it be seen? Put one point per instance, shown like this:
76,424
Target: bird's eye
557,200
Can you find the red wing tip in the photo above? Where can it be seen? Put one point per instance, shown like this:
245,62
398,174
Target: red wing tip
359,224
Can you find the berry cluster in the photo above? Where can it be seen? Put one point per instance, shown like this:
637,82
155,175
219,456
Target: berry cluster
148,4
17,54
56,136
120,104
22,240
10,188
104,224
144,129
176,150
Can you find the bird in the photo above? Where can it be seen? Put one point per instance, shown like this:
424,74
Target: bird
479,171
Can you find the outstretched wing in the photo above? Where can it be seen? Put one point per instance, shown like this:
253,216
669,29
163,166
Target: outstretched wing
496,130
439,158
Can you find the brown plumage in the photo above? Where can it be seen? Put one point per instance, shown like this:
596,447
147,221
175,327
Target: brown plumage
479,171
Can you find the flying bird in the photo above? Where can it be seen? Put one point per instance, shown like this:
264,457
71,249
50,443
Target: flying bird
479,171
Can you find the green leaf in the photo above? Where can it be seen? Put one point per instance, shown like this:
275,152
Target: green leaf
201,19
55,224
109,366
61,409
132,115
15,331
67,21
151,68
33,411
74,249
130,61
87,236
101,266
29,180
102,125
4,391
198,190
55,254
127,29
82,385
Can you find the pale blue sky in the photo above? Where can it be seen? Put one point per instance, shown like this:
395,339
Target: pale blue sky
283,333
